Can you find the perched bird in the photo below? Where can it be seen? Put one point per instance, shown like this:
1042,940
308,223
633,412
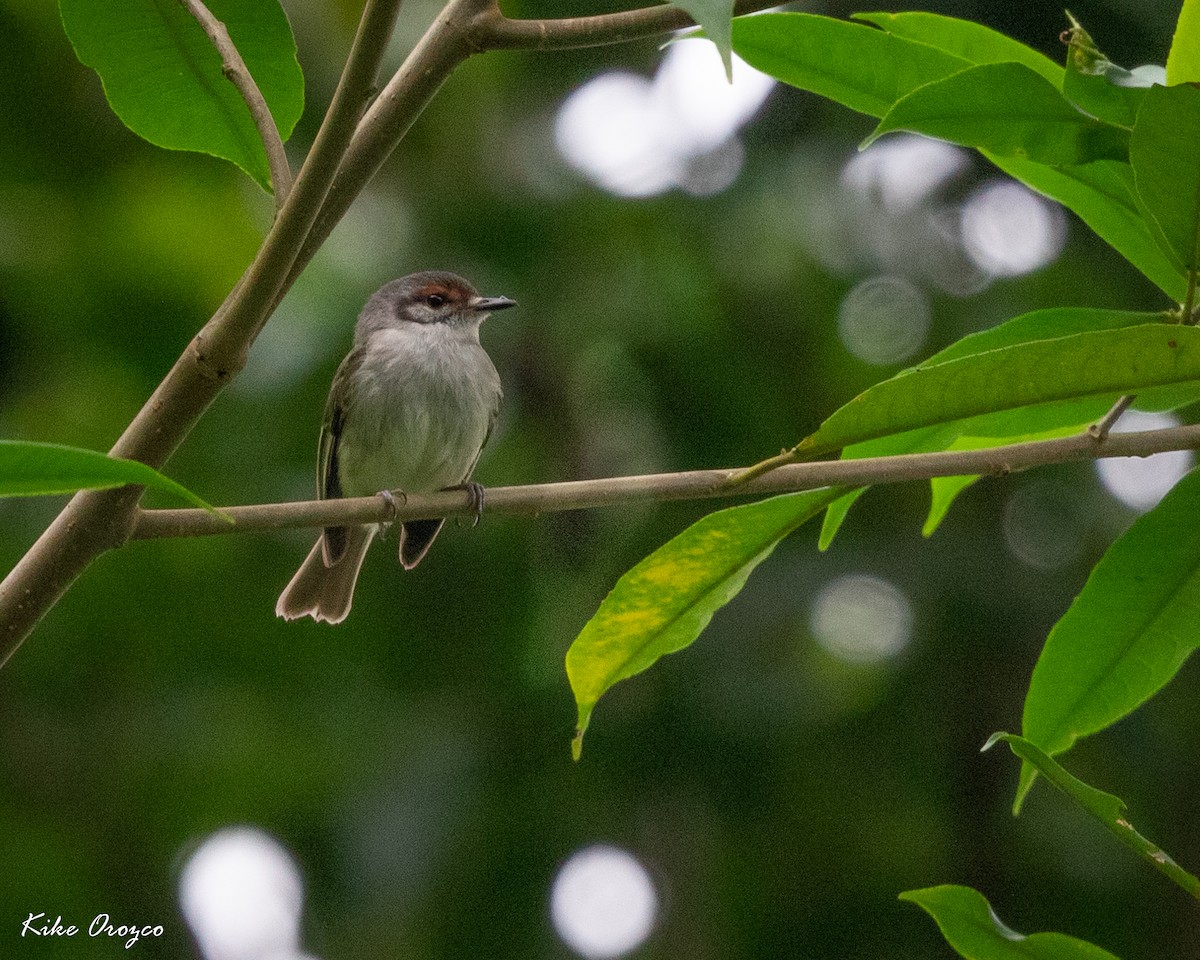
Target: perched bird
410,409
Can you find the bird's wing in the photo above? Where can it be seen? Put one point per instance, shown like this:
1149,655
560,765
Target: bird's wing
492,418
329,484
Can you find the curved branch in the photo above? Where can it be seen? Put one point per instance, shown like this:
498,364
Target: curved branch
235,69
658,488
494,31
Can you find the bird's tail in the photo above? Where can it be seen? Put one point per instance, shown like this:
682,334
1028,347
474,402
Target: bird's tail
321,592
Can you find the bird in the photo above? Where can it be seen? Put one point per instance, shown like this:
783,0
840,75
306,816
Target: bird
410,409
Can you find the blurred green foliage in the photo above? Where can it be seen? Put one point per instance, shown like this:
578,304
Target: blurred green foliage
415,759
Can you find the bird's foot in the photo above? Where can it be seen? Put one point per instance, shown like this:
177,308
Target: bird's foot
474,497
389,498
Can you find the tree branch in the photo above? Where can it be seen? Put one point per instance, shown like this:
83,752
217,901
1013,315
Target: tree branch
494,31
657,488
235,70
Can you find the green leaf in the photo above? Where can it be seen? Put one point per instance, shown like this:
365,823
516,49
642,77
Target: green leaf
827,56
1183,62
1102,194
1164,151
1106,808
1127,633
1099,86
1006,426
835,516
947,489
1009,110
971,41
34,469
1097,364
715,18
972,928
163,78
661,605
1049,324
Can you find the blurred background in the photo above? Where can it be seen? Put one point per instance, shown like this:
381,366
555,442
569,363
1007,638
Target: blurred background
704,272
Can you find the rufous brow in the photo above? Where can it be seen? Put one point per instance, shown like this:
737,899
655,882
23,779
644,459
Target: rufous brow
440,290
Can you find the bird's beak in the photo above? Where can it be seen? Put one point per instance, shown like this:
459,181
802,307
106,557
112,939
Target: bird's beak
491,304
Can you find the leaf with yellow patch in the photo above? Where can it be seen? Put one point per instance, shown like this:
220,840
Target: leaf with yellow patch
662,604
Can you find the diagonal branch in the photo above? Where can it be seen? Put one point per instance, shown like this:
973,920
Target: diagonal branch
659,488
235,69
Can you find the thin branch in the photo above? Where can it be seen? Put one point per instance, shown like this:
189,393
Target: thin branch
1099,430
439,51
494,31
236,71
694,485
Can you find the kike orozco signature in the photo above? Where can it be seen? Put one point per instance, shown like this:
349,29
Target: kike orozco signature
36,925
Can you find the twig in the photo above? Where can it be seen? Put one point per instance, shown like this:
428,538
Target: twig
694,485
235,70
742,477
1099,430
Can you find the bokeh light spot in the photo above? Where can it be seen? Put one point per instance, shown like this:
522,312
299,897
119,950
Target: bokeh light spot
861,619
904,171
241,894
603,903
884,320
1009,230
1043,526
1140,482
636,137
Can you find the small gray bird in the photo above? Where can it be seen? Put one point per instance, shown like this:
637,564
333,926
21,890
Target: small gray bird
410,409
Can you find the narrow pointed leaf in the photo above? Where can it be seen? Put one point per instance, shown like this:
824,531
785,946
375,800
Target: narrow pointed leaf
1101,364
1009,110
30,469
947,489
826,56
715,17
1183,62
162,74
1102,195
973,42
661,605
1009,425
944,491
1164,151
1106,808
1127,633
971,927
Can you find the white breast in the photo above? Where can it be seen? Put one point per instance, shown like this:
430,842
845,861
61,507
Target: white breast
419,417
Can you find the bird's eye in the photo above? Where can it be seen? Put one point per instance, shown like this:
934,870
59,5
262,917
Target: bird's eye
435,300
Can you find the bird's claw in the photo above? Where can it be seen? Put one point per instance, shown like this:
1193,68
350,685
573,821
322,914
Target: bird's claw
389,498
475,494
474,497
